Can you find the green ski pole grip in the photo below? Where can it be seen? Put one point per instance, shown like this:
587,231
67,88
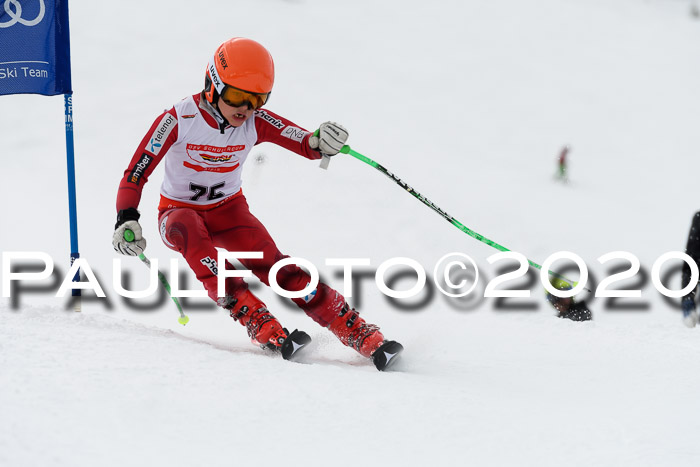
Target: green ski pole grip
129,235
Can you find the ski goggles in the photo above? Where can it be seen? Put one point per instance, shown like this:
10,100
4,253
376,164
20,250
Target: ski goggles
238,98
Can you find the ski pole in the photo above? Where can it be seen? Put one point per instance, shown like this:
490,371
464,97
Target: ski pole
561,280
183,319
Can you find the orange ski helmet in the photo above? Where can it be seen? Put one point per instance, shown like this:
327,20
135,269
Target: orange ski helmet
240,70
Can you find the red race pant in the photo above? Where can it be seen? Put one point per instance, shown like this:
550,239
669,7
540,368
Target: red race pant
196,234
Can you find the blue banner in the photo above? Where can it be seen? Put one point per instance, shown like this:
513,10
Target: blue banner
34,47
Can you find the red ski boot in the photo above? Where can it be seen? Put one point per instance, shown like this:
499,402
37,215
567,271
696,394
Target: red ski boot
263,328
354,332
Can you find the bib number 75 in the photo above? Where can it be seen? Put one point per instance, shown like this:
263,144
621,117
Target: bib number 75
211,192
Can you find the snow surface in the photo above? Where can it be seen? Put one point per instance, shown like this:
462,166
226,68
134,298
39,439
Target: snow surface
467,101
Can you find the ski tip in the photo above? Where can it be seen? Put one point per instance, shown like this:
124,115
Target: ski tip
294,342
386,355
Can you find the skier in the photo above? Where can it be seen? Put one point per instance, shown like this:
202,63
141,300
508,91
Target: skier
561,164
692,249
204,140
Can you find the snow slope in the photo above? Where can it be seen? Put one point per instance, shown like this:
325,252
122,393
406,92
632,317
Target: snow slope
469,102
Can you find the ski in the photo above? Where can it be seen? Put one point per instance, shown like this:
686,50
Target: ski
383,358
294,342
386,355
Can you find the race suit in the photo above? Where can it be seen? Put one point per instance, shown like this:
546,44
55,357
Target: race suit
202,205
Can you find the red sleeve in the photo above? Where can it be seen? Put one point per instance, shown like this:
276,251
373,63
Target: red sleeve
151,150
278,130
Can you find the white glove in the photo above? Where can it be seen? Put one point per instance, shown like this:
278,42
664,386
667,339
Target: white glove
130,248
330,140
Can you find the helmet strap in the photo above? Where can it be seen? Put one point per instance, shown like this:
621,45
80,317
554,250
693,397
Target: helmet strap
213,109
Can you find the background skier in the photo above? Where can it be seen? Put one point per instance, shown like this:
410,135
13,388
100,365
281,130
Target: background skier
692,249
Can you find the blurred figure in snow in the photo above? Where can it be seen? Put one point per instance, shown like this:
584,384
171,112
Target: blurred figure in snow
692,249
561,164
